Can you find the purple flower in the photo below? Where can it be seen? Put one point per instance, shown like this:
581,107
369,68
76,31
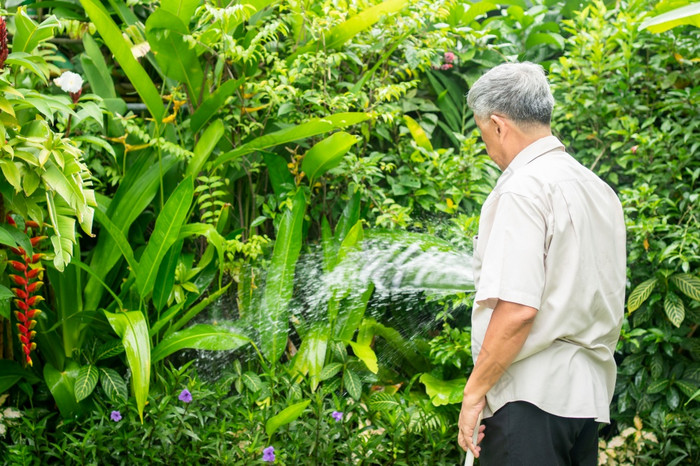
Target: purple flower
269,455
116,416
185,396
337,415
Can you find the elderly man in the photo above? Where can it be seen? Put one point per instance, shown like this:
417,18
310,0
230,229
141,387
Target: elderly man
549,269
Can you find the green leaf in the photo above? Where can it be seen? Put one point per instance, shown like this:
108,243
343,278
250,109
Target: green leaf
657,386
121,50
183,9
330,370
201,336
326,154
345,31
689,14
640,294
61,385
25,60
28,34
109,349
418,133
313,127
193,311
674,308
211,104
381,401
165,280
551,38
287,415
443,392
280,177
280,280
165,233
117,236
353,384
178,61
131,327
86,382
12,174
96,69
113,384
688,284
252,381
365,354
350,315
206,144
311,357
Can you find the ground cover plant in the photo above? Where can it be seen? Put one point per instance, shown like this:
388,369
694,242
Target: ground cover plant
187,215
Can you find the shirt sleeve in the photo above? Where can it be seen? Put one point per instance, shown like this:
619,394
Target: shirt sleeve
513,258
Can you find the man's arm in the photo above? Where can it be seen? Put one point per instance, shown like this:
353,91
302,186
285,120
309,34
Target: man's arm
508,329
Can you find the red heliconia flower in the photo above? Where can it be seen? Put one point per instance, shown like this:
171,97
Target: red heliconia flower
28,281
4,51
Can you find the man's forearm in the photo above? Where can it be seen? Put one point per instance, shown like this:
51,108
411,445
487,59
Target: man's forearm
506,334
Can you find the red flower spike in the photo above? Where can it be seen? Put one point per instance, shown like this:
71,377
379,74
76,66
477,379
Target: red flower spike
21,294
34,299
32,287
29,361
21,281
18,251
22,305
21,317
36,240
32,324
22,328
31,337
18,266
10,220
34,272
24,340
32,224
32,313
35,258
27,350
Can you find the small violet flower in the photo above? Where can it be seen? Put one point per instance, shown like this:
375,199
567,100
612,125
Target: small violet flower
269,455
337,415
116,416
185,396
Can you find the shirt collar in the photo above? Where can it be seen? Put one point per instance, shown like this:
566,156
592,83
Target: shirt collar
530,153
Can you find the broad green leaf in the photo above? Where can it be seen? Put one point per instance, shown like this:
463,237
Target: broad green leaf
68,304
86,382
113,384
350,315
330,370
12,174
29,34
183,9
313,127
192,312
657,386
475,10
201,336
688,284
674,309
25,60
418,133
443,392
252,381
212,103
206,144
287,415
165,33
311,357
280,280
131,327
96,69
551,38
381,401
121,50
281,178
350,216
62,387
365,354
353,384
109,349
640,294
326,154
165,233
345,31
406,348
689,14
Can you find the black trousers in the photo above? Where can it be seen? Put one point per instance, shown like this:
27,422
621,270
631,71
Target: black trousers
521,434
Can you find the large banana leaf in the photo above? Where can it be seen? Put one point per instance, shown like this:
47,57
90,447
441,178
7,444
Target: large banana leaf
165,33
131,327
347,30
313,127
122,53
165,233
326,154
203,337
280,281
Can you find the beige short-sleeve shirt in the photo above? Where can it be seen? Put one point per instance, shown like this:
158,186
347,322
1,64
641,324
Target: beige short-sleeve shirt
552,236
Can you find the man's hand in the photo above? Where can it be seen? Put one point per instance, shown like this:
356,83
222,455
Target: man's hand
468,417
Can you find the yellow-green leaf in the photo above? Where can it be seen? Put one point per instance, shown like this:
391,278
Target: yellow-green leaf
640,294
674,309
688,284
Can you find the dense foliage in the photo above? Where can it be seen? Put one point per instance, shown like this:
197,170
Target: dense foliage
256,184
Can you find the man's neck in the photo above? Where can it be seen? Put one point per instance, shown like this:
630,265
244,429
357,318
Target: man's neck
521,138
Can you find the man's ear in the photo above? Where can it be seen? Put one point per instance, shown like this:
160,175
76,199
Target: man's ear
500,123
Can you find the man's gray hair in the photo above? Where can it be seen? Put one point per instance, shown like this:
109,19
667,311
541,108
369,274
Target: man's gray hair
519,91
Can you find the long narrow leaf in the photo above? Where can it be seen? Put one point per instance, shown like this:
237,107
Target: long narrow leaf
286,416
211,104
206,144
326,154
203,337
122,53
131,327
280,280
165,233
